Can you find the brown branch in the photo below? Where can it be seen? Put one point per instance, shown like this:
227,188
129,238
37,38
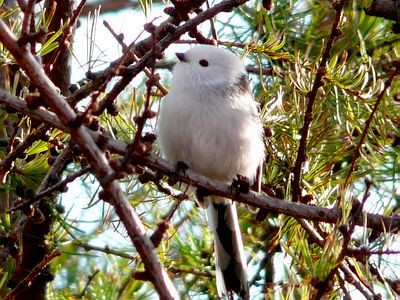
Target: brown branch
347,232
275,205
379,98
354,279
135,58
100,165
315,213
37,270
61,184
28,14
343,266
147,114
64,44
55,170
41,114
308,117
163,226
7,162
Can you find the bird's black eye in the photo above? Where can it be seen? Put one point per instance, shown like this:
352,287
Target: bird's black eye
203,63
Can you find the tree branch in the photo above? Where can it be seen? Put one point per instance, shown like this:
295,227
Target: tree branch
99,163
27,281
274,205
357,151
308,117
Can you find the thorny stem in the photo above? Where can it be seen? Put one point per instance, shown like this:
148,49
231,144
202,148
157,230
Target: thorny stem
321,71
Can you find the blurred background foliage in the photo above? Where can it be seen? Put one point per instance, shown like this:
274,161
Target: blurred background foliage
282,49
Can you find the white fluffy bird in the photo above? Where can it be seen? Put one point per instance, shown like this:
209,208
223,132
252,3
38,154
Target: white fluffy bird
210,122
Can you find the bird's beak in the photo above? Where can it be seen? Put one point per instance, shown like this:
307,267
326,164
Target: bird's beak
181,56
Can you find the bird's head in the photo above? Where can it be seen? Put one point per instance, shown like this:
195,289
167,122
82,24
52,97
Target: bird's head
208,65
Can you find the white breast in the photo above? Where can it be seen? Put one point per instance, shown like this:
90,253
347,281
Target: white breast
216,137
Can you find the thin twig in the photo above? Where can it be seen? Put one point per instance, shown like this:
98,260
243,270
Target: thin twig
135,58
28,14
56,168
146,114
36,271
19,150
90,279
308,117
105,249
63,41
379,98
212,24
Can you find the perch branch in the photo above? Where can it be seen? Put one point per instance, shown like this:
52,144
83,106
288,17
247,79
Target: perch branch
298,210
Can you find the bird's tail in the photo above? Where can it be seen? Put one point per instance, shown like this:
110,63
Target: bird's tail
231,267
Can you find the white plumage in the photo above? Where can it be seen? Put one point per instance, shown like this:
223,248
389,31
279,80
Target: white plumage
210,121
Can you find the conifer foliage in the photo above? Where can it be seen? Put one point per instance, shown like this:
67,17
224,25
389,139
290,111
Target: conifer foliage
326,75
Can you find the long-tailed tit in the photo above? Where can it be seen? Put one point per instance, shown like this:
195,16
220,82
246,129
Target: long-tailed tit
210,122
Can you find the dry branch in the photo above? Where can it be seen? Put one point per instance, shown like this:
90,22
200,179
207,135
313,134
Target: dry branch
298,210
97,160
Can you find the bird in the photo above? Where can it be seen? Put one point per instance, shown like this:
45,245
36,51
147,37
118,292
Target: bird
210,122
